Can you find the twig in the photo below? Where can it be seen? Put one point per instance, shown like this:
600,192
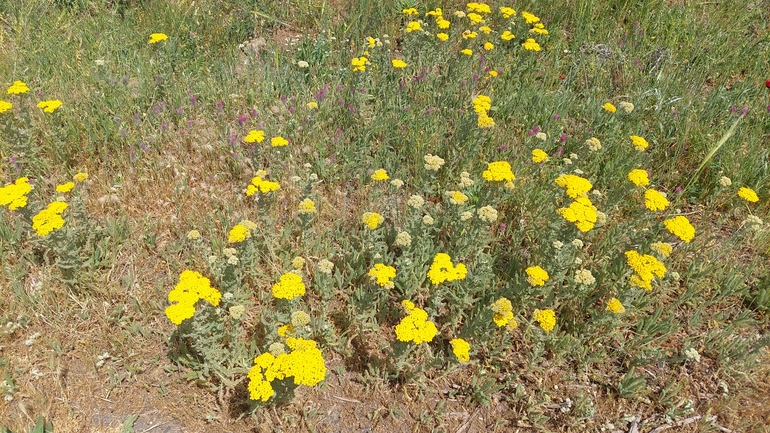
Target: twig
153,427
468,421
681,423
712,419
350,400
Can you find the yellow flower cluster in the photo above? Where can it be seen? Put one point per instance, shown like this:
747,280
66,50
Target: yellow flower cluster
372,220
413,26
238,233
503,312
191,288
5,106
639,143
80,177
646,268
661,248
14,195
461,349
279,141
507,12
654,200
255,136
680,226
307,206
259,184
415,327
574,186
18,88
536,276
65,187
748,194
304,363
457,197
289,286
507,35
638,177
546,319
609,107
499,171
49,106
531,45
359,63
615,306
481,105
581,212
157,37
49,219
481,8
539,155
380,174
539,28
442,270
529,17
383,275
398,64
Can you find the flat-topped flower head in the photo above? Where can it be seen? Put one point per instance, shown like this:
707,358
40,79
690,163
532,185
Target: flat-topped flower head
289,286
457,197
49,219
482,104
278,141
608,107
507,35
80,177
530,18
574,186
383,275
638,177
498,171
680,227
536,276
546,319
614,306
5,106
654,200
372,220
413,26
507,12
49,106
442,270
157,37
748,194
255,136
65,187
14,195
461,349
539,155
415,327
307,206
380,174
531,45
581,212
238,233
503,312
191,288
433,162
646,268
662,249
639,143
398,64
258,184
18,88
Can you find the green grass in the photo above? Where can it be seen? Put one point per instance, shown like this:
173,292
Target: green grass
152,125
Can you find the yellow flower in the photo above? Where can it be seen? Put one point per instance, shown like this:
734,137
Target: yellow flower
654,200
289,286
529,18
435,13
14,195
157,37
461,349
646,268
258,184
371,42
467,52
398,64
238,234
49,219
486,30
609,107
498,171
482,104
536,276
442,270
255,136
380,174
615,306
581,212
416,327
531,45
18,88
49,106
539,28
372,219
80,177
359,63
593,144
680,226
468,34
278,141
489,46
507,12
312,105
503,312
298,263
383,275
638,177
5,106
65,187
507,35
413,26
493,73
475,18
481,8
286,330
662,248
410,11
191,288
748,194
457,197
575,186
307,206
639,142
539,155
485,121
546,319
442,23
442,36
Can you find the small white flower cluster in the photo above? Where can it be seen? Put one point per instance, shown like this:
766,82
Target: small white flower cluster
101,359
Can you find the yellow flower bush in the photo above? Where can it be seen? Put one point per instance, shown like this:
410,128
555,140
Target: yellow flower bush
498,171
546,319
14,195
238,233
536,276
539,155
615,306
415,327
191,288
748,194
680,227
304,363
289,286
638,177
442,270
654,200
49,219
461,349
639,143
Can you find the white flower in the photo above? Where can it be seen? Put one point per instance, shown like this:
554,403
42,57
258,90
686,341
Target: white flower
325,267
692,354
577,243
558,244
397,183
488,214
465,216
541,136
427,220
626,106
433,162
303,64
725,181
415,201
403,239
